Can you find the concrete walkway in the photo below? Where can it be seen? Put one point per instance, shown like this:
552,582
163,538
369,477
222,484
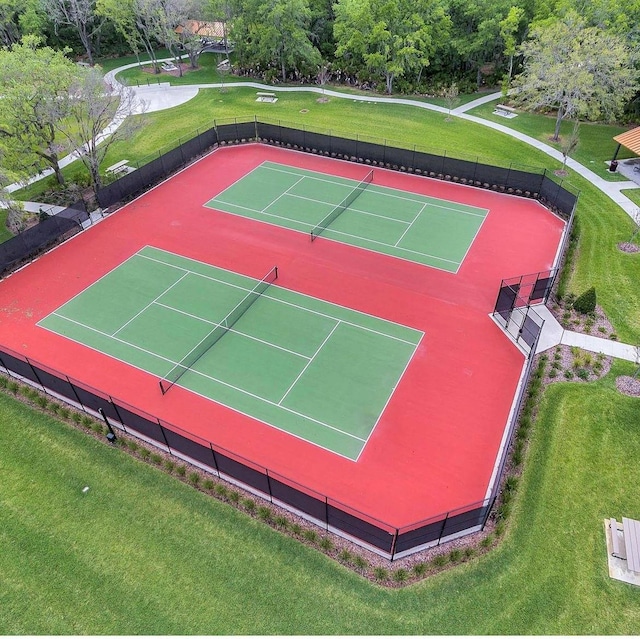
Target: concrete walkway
553,334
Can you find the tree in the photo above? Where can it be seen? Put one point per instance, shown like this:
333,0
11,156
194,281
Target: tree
275,35
93,117
570,144
32,78
79,14
390,37
322,77
451,98
583,72
509,28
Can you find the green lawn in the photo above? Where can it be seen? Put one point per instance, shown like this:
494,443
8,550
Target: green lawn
5,233
596,140
142,553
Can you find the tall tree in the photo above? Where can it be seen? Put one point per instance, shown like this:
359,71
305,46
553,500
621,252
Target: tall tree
509,28
275,34
94,116
32,78
583,72
79,14
390,37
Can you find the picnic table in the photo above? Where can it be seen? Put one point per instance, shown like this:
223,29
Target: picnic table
118,167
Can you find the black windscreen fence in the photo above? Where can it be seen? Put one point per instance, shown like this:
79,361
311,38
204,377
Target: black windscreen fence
320,508
298,499
510,180
50,231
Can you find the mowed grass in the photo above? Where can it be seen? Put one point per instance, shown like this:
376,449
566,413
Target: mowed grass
5,233
142,553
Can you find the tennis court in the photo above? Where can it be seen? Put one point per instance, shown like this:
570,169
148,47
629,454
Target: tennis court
422,229
319,371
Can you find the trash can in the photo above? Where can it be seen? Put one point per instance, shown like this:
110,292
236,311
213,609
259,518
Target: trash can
613,166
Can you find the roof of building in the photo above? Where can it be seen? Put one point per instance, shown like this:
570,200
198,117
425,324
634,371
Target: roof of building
630,140
202,28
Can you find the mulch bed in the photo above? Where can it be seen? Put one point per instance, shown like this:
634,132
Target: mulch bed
629,247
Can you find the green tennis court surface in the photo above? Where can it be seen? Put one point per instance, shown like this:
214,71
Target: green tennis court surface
318,371
414,227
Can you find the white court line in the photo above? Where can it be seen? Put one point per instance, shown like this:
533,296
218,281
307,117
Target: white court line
283,194
350,235
409,227
209,377
353,209
287,303
295,381
233,330
431,200
149,304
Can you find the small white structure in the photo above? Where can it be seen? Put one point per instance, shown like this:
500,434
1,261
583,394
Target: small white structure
264,96
623,548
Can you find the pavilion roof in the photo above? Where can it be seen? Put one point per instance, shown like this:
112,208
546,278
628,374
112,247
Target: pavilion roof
630,140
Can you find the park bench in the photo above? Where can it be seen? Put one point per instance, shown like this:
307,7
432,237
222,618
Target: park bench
118,167
264,96
631,532
505,111
618,549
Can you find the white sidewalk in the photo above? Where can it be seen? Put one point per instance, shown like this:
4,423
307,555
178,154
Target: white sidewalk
553,334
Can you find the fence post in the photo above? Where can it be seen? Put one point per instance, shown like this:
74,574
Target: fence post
266,472
44,390
166,442
115,408
215,461
394,543
75,392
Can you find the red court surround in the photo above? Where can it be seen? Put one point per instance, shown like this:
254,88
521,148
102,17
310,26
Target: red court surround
436,444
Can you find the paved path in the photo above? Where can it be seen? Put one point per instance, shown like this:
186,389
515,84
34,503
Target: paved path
553,334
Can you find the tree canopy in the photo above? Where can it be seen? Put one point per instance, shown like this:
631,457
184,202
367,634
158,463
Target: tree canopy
581,71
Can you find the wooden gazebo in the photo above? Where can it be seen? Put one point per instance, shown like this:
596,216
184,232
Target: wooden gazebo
628,139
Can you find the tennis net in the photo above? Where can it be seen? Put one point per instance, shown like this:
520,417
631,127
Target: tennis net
189,360
346,203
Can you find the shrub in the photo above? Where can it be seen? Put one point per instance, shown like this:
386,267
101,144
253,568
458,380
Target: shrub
250,505
169,465
156,458
75,416
360,562
194,478
469,552
326,543
420,569
296,528
181,470
487,541
13,387
86,421
455,555
583,373
602,329
553,373
344,555
145,453
440,560
234,496
586,303
3,381
568,374
380,573
511,483
208,483
132,445
97,428
221,490
42,401
500,528
310,535
65,413
282,522
400,575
